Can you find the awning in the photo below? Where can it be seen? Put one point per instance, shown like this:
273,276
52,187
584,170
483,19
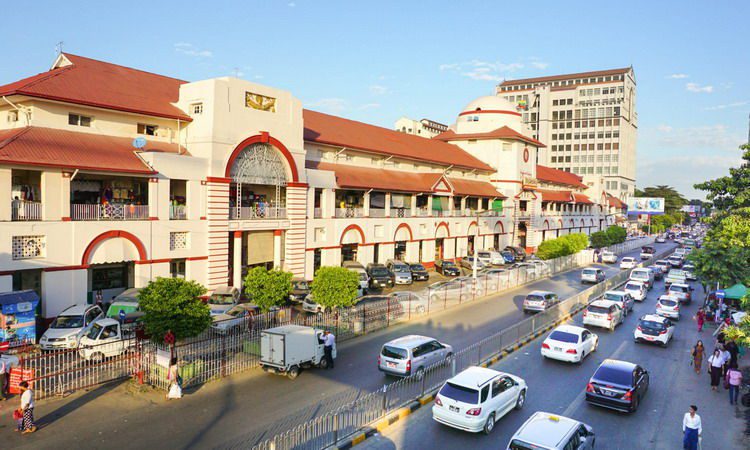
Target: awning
18,301
353,177
735,292
582,199
555,196
474,188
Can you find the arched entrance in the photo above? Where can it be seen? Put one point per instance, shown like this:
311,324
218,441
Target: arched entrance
401,238
351,238
470,238
258,186
110,262
499,229
522,229
441,233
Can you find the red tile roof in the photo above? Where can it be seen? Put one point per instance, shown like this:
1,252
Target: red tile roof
615,202
104,85
500,133
570,76
326,129
555,196
554,176
48,147
462,186
582,198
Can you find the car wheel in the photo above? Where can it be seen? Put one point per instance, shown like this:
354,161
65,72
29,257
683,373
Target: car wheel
490,424
323,364
521,400
612,326
419,309
583,356
419,374
293,372
634,408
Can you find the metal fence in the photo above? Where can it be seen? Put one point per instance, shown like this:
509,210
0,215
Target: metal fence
326,430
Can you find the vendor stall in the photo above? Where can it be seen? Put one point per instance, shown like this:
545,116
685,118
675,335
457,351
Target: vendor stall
18,317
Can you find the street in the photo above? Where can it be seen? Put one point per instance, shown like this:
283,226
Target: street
559,388
241,410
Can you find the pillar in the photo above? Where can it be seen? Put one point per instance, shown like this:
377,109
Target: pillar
429,205
451,206
428,252
6,182
386,252
365,254
277,249
153,198
217,213
311,203
162,196
414,205
193,191
463,205
51,201
387,204
412,251
366,206
237,258
328,203
296,236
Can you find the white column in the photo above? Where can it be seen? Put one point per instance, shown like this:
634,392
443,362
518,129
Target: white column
429,205
194,193
366,206
237,260
277,249
414,205
463,205
451,205
51,195
387,204
6,180
153,198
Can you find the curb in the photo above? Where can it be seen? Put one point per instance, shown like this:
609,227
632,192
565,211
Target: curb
400,413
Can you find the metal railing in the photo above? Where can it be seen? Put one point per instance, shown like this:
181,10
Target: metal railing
349,212
177,212
108,212
22,210
378,212
257,212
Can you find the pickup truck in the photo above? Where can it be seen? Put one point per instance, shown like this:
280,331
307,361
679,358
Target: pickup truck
105,339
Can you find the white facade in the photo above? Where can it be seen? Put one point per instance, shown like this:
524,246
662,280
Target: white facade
426,128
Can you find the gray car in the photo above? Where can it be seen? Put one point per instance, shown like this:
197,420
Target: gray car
411,355
545,431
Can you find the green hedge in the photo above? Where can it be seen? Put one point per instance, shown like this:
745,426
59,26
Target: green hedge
610,236
563,246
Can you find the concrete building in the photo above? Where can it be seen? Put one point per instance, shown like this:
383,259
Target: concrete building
425,127
112,177
588,122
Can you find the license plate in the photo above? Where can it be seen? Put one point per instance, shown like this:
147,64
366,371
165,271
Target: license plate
608,393
390,364
649,338
558,349
453,408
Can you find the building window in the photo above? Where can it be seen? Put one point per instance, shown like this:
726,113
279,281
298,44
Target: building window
196,108
177,268
79,120
27,247
320,234
178,240
149,130
115,277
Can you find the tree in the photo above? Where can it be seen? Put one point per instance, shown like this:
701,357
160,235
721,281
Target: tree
335,287
616,234
724,257
600,239
268,288
174,304
740,332
562,246
730,193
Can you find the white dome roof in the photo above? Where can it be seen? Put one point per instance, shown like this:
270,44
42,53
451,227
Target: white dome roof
490,103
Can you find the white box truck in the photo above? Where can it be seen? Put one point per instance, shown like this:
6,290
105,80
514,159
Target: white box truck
288,349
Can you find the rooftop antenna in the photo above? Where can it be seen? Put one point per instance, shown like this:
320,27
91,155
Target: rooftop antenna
59,47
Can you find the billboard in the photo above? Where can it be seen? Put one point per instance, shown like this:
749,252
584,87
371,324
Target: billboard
645,205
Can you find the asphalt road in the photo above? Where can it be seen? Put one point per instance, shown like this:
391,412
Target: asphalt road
558,387
242,410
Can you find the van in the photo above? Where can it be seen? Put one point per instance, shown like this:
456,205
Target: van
412,354
644,275
546,431
354,266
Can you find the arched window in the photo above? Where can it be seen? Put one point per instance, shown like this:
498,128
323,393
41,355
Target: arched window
259,178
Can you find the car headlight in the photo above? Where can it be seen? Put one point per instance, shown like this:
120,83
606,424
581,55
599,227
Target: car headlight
72,338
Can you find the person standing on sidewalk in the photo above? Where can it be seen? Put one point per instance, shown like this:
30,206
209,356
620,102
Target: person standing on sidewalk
329,341
691,429
715,364
734,380
27,406
700,319
697,354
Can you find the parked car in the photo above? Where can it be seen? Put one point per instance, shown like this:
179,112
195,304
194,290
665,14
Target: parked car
300,290
235,318
412,302
468,263
681,292
644,275
448,291
354,266
618,385
675,276
532,267
128,295
622,298
609,257
519,253
628,262
655,329
223,298
491,257
400,270
131,311
311,306
545,431
668,306
380,276
508,256
68,327
105,339
569,343
412,355
636,289
647,252
447,268
592,275
476,398
604,314
537,301
418,272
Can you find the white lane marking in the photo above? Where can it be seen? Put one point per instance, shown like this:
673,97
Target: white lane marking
578,401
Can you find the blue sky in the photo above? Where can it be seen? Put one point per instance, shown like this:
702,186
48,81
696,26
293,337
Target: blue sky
376,61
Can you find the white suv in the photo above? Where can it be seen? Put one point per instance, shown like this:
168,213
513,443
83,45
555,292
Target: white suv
654,328
476,398
636,289
592,275
628,263
603,313
67,328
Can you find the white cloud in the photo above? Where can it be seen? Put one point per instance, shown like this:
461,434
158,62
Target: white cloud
727,105
449,66
664,128
377,89
189,49
332,105
539,65
682,172
677,76
695,87
370,106
495,71
291,4
702,137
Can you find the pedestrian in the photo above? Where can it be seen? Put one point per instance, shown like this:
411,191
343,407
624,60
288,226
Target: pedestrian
700,318
691,429
27,405
697,354
734,381
100,299
726,356
715,364
175,380
734,352
329,343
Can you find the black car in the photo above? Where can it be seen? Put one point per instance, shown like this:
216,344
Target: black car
518,252
418,272
380,276
447,268
618,385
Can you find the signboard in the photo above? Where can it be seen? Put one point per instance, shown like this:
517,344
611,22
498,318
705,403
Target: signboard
18,375
645,205
720,294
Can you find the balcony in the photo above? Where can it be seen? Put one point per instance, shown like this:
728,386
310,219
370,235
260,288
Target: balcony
108,212
257,213
22,210
318,213
349,212
377,212
177,212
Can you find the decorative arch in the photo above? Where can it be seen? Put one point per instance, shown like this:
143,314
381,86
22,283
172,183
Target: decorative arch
443,225
400,227
499,227
264,138
112,235
561,222
353,227
583,223
546,225
469,229
572,223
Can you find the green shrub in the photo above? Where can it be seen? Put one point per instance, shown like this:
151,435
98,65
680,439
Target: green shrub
335,287
174,304
616,234
600,239
268,288
562,246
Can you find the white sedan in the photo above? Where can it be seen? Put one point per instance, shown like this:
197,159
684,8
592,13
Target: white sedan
569,343
628,262
654,328
636,289
609,257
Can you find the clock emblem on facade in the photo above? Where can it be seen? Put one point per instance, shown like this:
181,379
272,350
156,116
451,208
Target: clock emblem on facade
525,154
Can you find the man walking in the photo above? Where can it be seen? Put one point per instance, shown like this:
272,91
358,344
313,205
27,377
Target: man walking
691,429
329,343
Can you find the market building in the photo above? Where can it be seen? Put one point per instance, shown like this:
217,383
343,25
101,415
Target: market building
113,176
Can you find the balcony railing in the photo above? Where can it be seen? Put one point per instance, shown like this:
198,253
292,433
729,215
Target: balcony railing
377,212
177,212
257,213
400,212
318,213
108,212
349,212
23,210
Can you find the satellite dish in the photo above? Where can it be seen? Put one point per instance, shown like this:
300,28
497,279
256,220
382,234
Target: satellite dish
139,142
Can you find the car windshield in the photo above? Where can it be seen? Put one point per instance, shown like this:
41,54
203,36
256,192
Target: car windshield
379,271
221,299
668,302
589,272
448,264
94,331
608,374
612,296
67,322
300,285
237,311
562,336
419,267
598,309
400,268
516,444
651,325
394,352
460,393
639,275
633,287
675,288
627,259
507,254
483,254
535,298
362,276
